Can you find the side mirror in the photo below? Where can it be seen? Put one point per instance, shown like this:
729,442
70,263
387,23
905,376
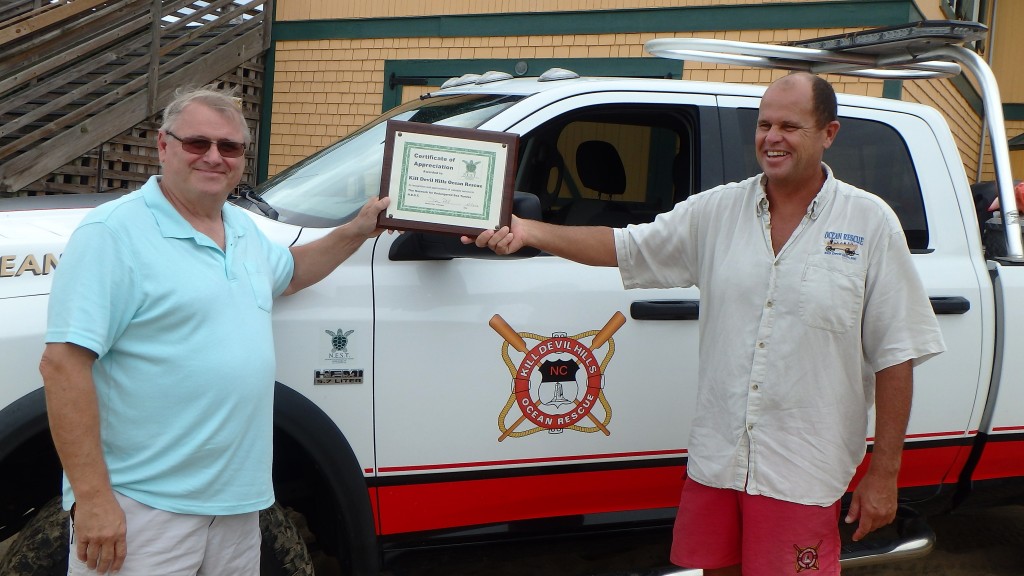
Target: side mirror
431,246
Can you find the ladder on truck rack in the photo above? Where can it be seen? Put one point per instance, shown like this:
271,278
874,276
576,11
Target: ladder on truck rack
915,51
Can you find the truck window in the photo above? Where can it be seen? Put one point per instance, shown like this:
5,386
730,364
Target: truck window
610,166
329,187
867,154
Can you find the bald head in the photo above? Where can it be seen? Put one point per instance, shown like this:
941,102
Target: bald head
821,94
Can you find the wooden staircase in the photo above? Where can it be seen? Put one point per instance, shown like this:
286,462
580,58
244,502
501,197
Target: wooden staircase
76,73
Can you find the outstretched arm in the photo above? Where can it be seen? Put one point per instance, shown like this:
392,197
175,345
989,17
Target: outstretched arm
593,245
314,261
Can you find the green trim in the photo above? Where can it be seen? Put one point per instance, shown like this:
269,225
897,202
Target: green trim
821,14
266,114
1017,142
437,71
892,89
1013,111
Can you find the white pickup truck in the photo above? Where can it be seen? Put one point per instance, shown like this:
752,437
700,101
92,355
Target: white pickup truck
431,393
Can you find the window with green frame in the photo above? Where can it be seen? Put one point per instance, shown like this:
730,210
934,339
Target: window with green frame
398,73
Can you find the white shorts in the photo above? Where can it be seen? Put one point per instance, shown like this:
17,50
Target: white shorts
172,544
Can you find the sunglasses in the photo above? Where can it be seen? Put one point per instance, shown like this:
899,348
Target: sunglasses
200,146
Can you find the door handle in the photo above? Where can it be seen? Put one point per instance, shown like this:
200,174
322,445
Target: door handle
665,309
690,309
950,304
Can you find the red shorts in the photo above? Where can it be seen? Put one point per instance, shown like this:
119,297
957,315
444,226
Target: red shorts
717,528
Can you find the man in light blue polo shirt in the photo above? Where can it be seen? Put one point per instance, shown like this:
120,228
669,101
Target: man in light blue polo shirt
159,336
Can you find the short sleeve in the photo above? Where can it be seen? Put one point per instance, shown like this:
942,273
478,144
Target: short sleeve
95,290
280,264
662,253
899,323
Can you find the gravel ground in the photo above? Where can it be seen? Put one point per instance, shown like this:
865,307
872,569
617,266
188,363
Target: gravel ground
976,543
979,543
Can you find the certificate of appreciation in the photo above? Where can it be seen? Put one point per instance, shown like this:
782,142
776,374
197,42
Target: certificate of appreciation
447,179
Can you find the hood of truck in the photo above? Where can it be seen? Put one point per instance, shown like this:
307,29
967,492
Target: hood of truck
31,242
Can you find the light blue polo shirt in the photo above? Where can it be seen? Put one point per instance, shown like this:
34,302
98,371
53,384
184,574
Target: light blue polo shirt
182,331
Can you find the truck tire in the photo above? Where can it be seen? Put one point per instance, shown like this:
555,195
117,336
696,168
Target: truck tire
41,547
283,552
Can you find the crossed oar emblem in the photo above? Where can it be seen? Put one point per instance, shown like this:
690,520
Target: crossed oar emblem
585,359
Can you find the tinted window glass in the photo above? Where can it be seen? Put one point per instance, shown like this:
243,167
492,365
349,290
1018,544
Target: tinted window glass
329,187
611,166
867,154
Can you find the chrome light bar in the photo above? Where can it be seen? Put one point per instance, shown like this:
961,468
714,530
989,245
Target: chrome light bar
814,60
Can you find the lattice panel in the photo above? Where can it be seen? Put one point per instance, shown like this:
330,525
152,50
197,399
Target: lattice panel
125,162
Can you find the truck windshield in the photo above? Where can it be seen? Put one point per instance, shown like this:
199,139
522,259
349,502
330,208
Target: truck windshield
329,187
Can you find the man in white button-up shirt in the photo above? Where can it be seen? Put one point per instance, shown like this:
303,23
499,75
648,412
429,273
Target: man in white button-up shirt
811,311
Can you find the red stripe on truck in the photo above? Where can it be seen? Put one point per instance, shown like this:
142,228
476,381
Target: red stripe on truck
1000,459
436,505
418,507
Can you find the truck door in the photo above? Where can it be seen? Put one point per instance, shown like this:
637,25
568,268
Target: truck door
510,389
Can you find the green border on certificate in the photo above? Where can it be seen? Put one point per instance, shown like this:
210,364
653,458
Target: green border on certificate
445,179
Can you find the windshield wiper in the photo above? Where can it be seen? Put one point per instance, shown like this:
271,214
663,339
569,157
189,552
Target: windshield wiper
247,192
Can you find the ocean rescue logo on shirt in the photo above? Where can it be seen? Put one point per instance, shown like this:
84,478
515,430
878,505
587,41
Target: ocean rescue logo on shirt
559,383
843,244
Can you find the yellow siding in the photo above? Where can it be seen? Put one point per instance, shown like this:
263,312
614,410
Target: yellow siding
932,9
1015,128
965,124
1008,50
324,89
331,9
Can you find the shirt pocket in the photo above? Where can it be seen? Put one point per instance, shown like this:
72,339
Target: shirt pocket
259,280
831,293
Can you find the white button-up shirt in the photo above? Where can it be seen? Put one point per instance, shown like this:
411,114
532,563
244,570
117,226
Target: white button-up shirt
789,343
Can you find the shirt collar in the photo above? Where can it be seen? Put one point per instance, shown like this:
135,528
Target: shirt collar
821,200
173,225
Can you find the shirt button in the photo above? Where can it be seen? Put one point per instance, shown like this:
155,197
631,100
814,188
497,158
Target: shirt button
760,344
770,304
754,387
750,427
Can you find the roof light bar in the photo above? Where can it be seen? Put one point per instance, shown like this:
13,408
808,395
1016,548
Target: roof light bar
814,60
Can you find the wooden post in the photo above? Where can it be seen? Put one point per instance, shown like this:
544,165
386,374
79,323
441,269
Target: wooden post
155,14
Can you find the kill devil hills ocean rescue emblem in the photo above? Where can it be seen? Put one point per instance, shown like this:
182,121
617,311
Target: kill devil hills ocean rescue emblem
558,384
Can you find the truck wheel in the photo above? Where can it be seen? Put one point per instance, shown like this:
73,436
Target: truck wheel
283,552
41,547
